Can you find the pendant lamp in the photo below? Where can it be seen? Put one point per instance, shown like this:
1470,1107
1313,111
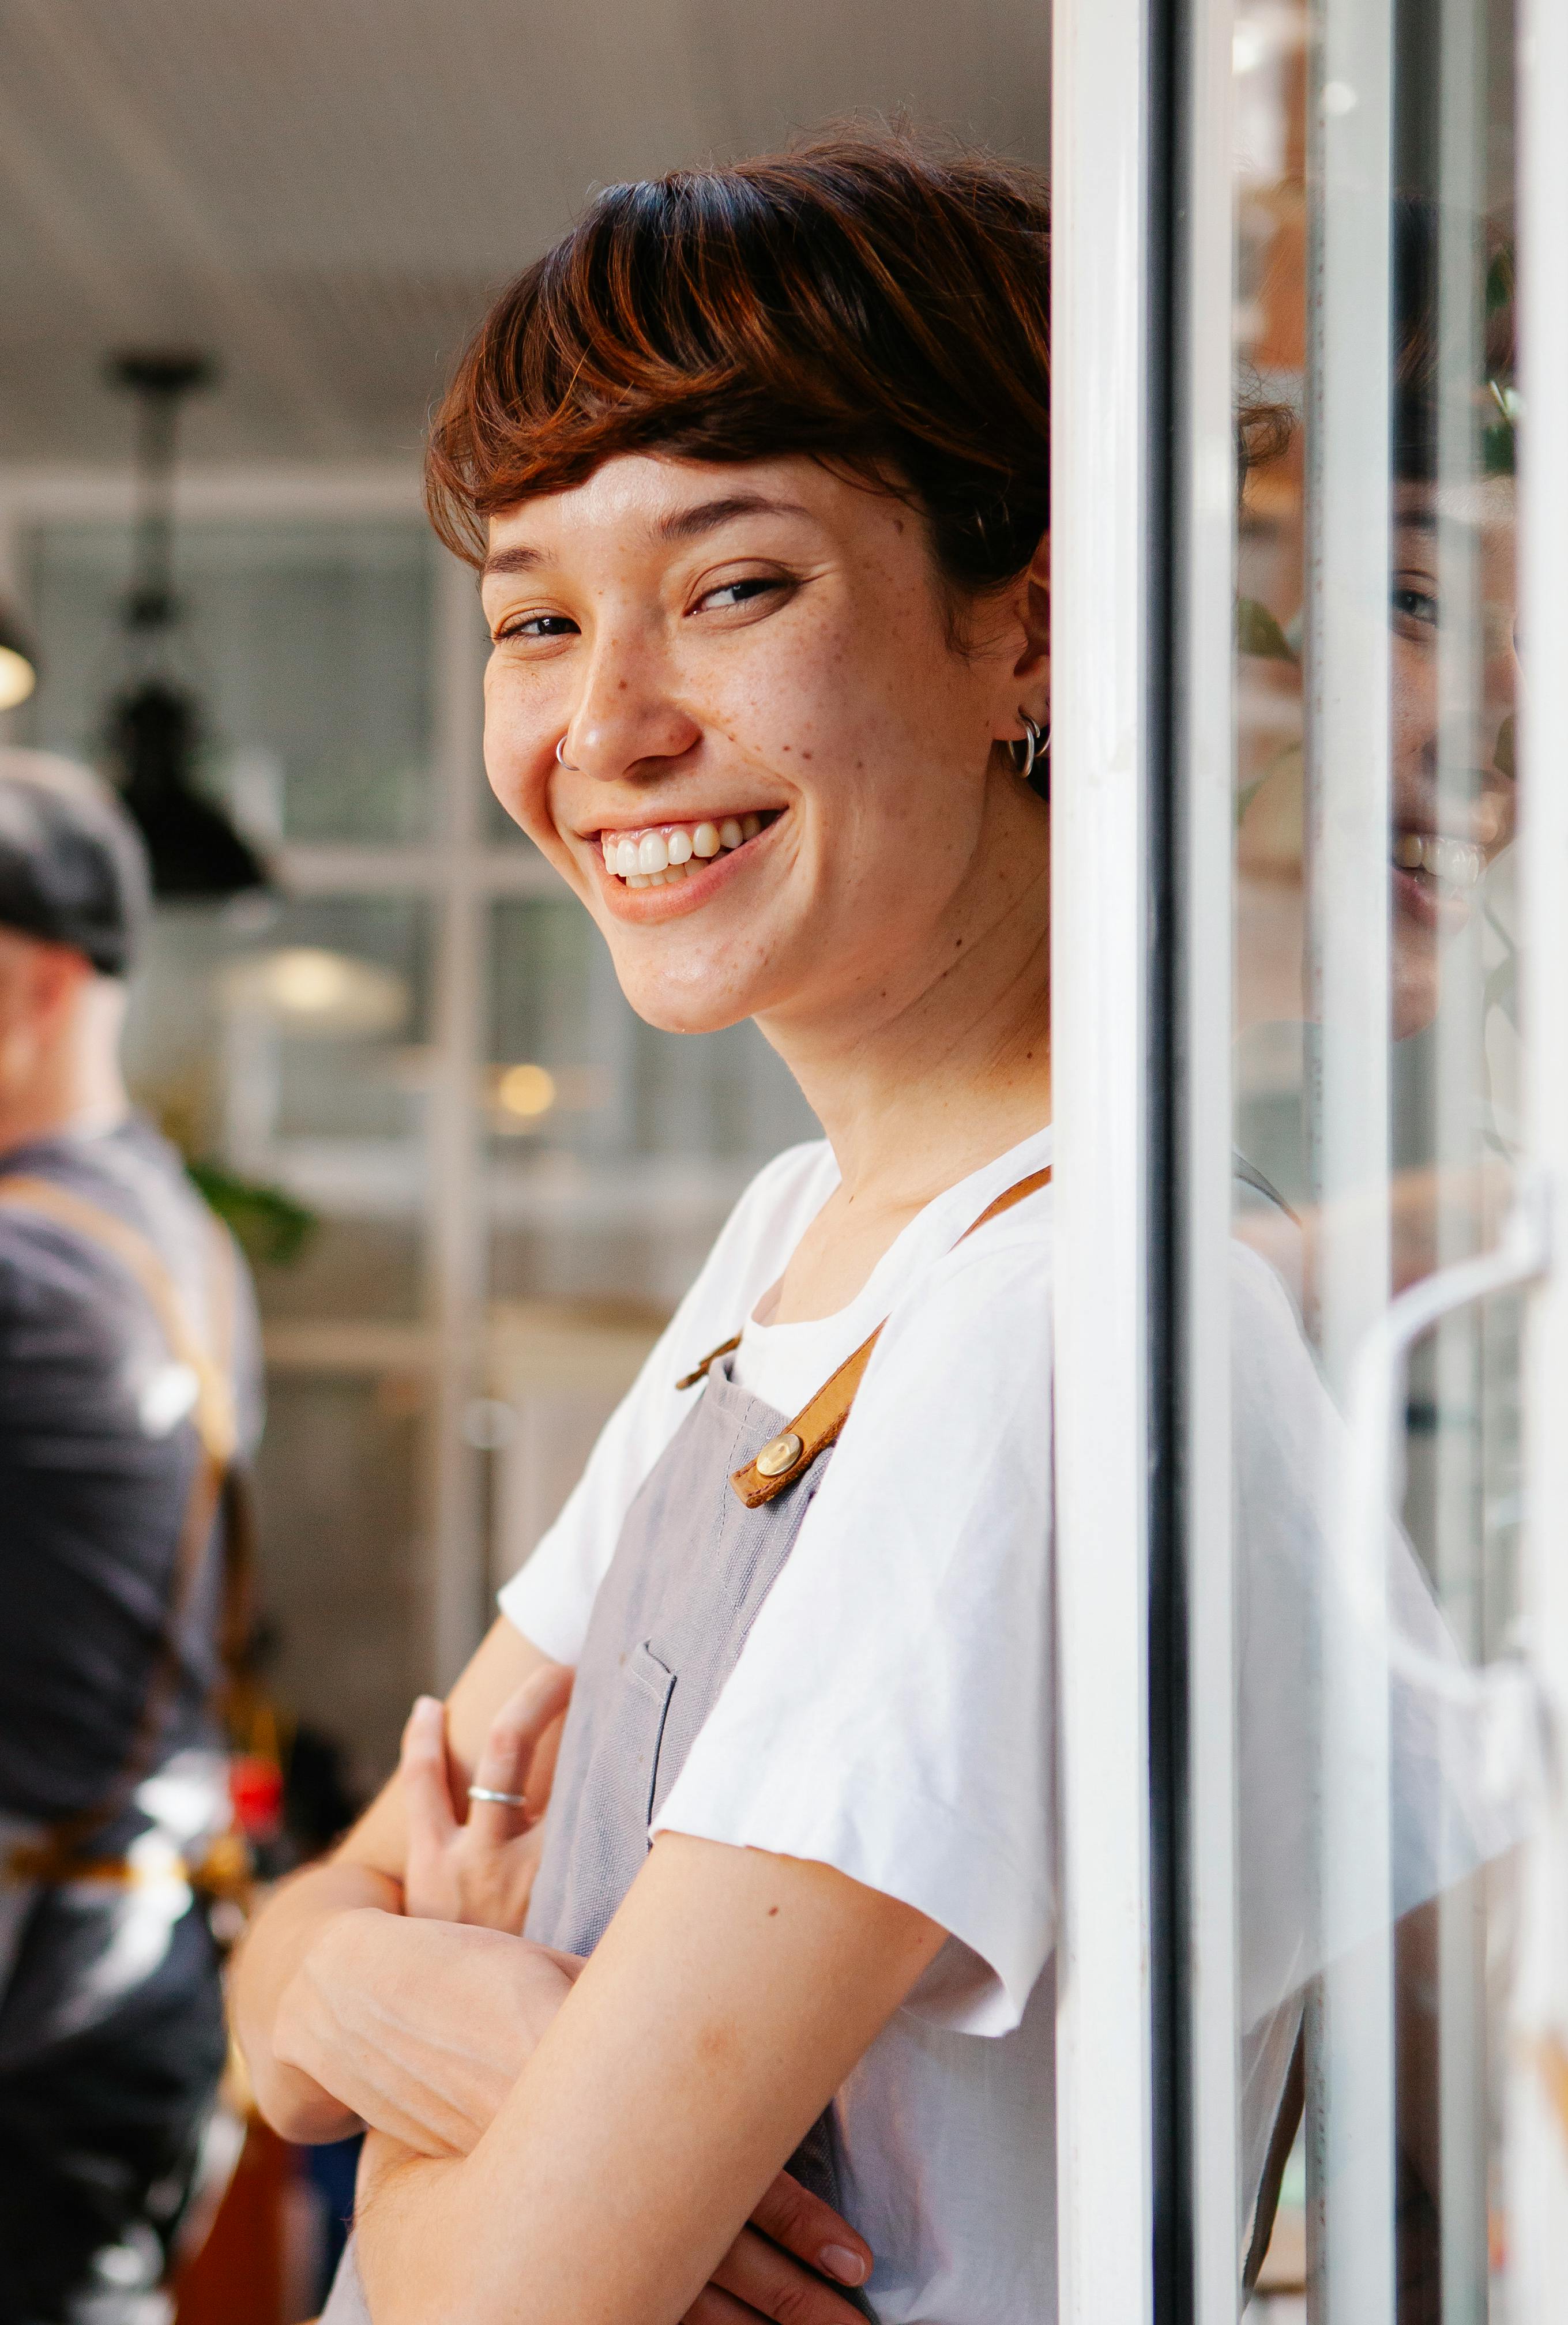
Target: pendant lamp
154,728
18,663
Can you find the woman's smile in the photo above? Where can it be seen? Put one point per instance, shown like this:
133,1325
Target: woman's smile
690,856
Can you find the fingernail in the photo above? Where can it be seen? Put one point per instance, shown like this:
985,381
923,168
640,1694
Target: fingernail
837,2261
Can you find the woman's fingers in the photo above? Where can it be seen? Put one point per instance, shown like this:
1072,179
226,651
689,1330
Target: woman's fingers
712,2307
793,2217
422,1763
768,2283
509,1749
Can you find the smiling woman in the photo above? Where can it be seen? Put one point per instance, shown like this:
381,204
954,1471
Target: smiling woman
754,465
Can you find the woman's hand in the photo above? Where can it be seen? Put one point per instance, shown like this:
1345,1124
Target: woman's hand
481,1870
417,2027
774,2270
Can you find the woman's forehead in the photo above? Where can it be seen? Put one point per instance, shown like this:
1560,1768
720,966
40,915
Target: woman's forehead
666,498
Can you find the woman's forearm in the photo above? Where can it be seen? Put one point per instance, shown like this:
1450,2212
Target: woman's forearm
263,1980
727,2000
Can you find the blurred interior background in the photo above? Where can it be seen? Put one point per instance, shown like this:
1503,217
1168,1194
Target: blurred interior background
472,1182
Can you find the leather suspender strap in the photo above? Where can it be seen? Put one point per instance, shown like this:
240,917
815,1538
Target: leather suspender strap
215,1420
699,1372
1287,2124
57,1858
817,1426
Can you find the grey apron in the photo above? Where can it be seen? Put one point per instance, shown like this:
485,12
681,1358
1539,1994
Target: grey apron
690,1575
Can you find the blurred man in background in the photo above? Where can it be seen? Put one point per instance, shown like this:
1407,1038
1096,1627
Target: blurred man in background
128,1400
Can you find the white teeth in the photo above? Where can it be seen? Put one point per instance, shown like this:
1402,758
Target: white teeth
651,859
1457,862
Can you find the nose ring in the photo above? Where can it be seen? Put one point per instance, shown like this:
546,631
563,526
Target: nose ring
562,761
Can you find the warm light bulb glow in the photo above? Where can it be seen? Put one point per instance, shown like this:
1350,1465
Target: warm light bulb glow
526,1091
308,981
311,993
17,677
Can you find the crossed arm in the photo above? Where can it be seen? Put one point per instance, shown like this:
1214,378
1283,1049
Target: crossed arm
551,2145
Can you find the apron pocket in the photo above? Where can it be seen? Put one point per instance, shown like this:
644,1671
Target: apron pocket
644,1707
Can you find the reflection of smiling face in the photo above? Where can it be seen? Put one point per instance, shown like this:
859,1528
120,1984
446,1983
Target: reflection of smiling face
1452,796
781,794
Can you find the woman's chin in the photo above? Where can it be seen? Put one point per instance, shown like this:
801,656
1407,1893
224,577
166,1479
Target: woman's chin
686,1008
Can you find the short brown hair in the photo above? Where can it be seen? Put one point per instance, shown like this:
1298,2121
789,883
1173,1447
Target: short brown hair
860,298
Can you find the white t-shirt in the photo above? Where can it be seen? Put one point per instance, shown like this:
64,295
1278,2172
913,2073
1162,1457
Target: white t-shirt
892,1712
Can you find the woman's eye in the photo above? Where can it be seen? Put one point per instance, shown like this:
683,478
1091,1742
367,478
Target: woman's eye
741,593
537,625
1415,605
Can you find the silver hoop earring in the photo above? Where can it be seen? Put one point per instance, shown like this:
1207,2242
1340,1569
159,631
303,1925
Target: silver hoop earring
562,761
1035,740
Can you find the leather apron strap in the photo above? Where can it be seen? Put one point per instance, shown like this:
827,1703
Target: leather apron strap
817,1426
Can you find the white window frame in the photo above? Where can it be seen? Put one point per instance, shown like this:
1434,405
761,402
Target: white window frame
1102,748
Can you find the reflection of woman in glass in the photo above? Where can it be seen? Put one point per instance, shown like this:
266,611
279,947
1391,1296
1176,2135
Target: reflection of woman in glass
756,462
1452,676
1438,852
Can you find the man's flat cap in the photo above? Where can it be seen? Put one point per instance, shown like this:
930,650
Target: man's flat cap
73,869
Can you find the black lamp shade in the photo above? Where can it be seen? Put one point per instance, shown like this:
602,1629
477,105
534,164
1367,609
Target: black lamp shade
153,734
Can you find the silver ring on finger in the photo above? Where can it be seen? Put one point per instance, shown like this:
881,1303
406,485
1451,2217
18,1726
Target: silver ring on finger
501,1800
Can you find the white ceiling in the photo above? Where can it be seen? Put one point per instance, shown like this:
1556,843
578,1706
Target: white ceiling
325,192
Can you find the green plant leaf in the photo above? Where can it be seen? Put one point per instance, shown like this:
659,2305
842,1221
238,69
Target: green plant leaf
271,1227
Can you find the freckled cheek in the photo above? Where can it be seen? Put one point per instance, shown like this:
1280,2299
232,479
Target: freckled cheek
518,770
1413,688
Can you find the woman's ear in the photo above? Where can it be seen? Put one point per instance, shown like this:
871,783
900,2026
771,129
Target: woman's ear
1033,668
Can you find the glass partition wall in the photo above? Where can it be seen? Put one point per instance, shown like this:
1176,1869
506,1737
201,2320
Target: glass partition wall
1310,962
1366,1063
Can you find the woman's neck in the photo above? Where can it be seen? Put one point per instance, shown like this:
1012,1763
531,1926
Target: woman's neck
944,1066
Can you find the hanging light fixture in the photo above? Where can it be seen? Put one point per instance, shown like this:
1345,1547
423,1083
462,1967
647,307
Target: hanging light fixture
18,664
153,728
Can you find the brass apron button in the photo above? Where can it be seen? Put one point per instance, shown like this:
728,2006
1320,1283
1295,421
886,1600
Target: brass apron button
779,1454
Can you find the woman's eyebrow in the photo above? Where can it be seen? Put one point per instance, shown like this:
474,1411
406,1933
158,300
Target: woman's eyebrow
520,559
688,524
685,525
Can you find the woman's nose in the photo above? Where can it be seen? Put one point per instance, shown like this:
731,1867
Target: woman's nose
628,718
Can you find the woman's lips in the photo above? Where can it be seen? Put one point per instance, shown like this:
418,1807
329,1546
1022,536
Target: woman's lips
661,853
674,866
1435,876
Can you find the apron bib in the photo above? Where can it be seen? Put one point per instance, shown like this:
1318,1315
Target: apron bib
690,1575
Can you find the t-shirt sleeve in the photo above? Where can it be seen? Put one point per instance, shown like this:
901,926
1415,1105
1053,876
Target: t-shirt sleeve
891,1712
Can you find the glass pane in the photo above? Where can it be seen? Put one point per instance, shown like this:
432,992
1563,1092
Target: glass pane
307,645
1376,1128
616,1151
339,1469
286,1043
